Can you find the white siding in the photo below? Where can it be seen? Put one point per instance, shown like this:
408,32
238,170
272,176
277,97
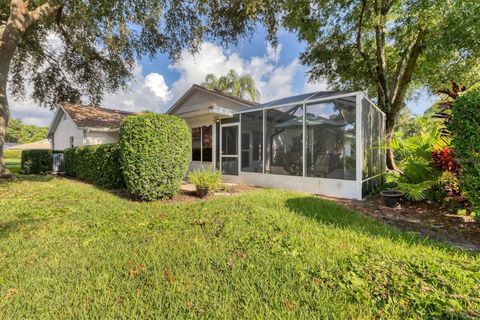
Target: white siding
95,137
202,100
66,128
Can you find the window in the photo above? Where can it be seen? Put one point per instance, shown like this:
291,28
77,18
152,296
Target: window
330,130
71,142
197,144
245,150
284,138
202,144
252,141
207,144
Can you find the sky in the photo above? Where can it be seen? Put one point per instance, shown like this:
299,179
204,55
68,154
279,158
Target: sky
158,83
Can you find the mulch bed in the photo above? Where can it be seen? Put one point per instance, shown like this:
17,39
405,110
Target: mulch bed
184,196
427,218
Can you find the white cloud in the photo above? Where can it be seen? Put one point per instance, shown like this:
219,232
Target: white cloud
30,112
273,81
312,86
156,83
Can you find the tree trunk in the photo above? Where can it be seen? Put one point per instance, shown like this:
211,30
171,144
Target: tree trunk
10,34
4,115
19,20
5,58
390,127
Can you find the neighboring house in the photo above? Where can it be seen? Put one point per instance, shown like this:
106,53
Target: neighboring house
38,145
75,125
9,145
322,142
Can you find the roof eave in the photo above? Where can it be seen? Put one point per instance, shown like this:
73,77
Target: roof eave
194,88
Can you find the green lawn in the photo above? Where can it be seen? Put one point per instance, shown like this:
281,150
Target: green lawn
70,250
14,165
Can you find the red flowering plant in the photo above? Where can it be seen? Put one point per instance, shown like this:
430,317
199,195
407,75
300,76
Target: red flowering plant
444,160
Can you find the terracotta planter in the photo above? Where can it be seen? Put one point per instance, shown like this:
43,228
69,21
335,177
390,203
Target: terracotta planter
202,192
392,198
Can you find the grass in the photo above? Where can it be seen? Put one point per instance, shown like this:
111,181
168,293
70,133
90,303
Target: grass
14,165
70,250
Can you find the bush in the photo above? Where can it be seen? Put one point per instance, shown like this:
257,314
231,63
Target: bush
464,127
419,178
98,164
156,152
12,154
70,161
36,161
211,180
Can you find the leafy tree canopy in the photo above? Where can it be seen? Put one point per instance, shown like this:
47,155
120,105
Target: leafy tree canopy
344,36
72,50
99,41
388,47
18,132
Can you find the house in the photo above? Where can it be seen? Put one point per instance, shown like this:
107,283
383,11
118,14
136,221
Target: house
75,125
323,142
9,145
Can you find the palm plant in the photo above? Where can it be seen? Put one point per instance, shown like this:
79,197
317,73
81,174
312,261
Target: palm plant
241,86
418,174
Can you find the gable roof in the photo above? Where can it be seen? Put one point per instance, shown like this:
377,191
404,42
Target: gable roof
194,88
87,116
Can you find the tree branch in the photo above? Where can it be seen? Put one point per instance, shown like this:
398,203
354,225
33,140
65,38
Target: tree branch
380,55
42,11
398,73
406,77
359,40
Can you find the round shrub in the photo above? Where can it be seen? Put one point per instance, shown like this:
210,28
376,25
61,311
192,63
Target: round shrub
36,161
465,129
156,152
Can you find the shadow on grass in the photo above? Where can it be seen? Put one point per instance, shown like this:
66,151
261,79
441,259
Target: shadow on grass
13,226
328,212
29,178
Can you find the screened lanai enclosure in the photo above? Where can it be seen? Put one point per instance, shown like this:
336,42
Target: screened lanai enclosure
327,143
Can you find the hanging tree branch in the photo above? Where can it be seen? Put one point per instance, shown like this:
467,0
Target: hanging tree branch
359,40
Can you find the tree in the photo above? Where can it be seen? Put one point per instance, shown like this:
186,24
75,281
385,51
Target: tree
18,132
71,50
234,84
388,47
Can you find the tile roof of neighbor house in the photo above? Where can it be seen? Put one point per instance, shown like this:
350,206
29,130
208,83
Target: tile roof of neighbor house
42,144
87,116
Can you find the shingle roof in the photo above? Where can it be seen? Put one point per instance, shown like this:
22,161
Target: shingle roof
87,116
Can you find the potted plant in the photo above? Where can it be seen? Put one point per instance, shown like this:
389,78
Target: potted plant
392,198
205,181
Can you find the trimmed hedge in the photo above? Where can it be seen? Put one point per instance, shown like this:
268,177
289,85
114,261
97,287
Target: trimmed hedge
36,161
98,164
12,154
156,152
70,162
465,130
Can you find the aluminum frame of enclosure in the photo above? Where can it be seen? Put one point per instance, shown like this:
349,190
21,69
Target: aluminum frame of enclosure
304,182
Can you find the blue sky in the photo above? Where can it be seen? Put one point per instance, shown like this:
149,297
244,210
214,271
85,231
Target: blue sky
158,83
